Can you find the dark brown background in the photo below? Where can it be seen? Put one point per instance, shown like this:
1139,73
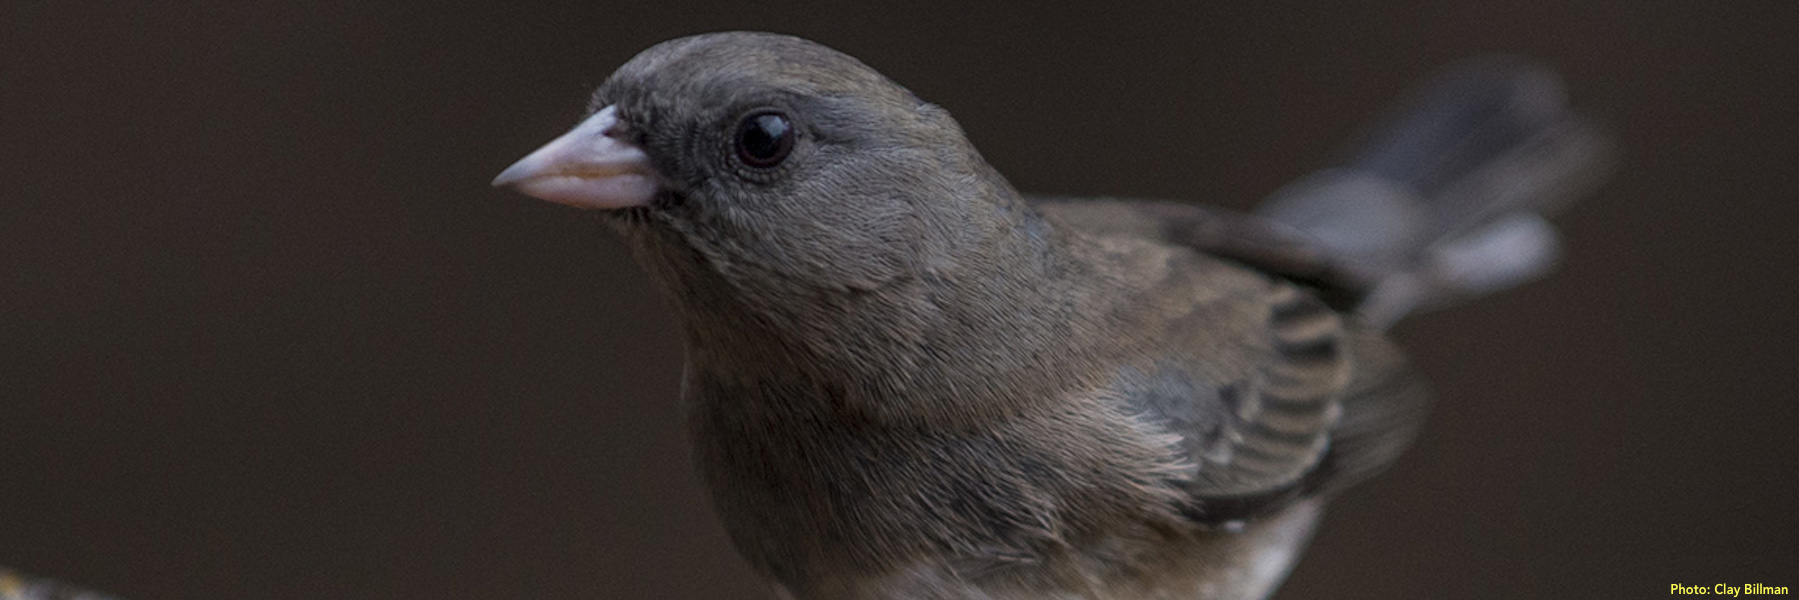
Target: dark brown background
265,332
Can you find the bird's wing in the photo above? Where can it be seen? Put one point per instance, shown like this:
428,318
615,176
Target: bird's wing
1253,241
1295,398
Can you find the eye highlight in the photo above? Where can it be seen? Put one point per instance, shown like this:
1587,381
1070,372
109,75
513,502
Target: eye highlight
764,139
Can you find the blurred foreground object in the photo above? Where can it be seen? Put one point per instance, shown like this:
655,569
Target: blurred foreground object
17,586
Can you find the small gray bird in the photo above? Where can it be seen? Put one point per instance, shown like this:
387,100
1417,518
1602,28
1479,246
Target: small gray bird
905,380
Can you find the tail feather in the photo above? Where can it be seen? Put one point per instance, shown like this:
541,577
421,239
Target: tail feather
1446,199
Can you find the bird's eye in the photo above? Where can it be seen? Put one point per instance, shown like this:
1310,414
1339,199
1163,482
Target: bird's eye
764,139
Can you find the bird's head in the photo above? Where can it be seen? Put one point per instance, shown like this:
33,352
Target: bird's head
771,157
767,180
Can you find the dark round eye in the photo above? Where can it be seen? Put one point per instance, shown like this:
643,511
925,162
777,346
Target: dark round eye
764,139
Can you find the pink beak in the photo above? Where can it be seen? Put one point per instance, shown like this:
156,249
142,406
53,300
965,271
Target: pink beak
587,167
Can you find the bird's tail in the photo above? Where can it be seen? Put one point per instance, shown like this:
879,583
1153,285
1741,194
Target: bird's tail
1446,199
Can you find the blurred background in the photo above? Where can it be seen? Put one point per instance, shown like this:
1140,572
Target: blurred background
266,332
